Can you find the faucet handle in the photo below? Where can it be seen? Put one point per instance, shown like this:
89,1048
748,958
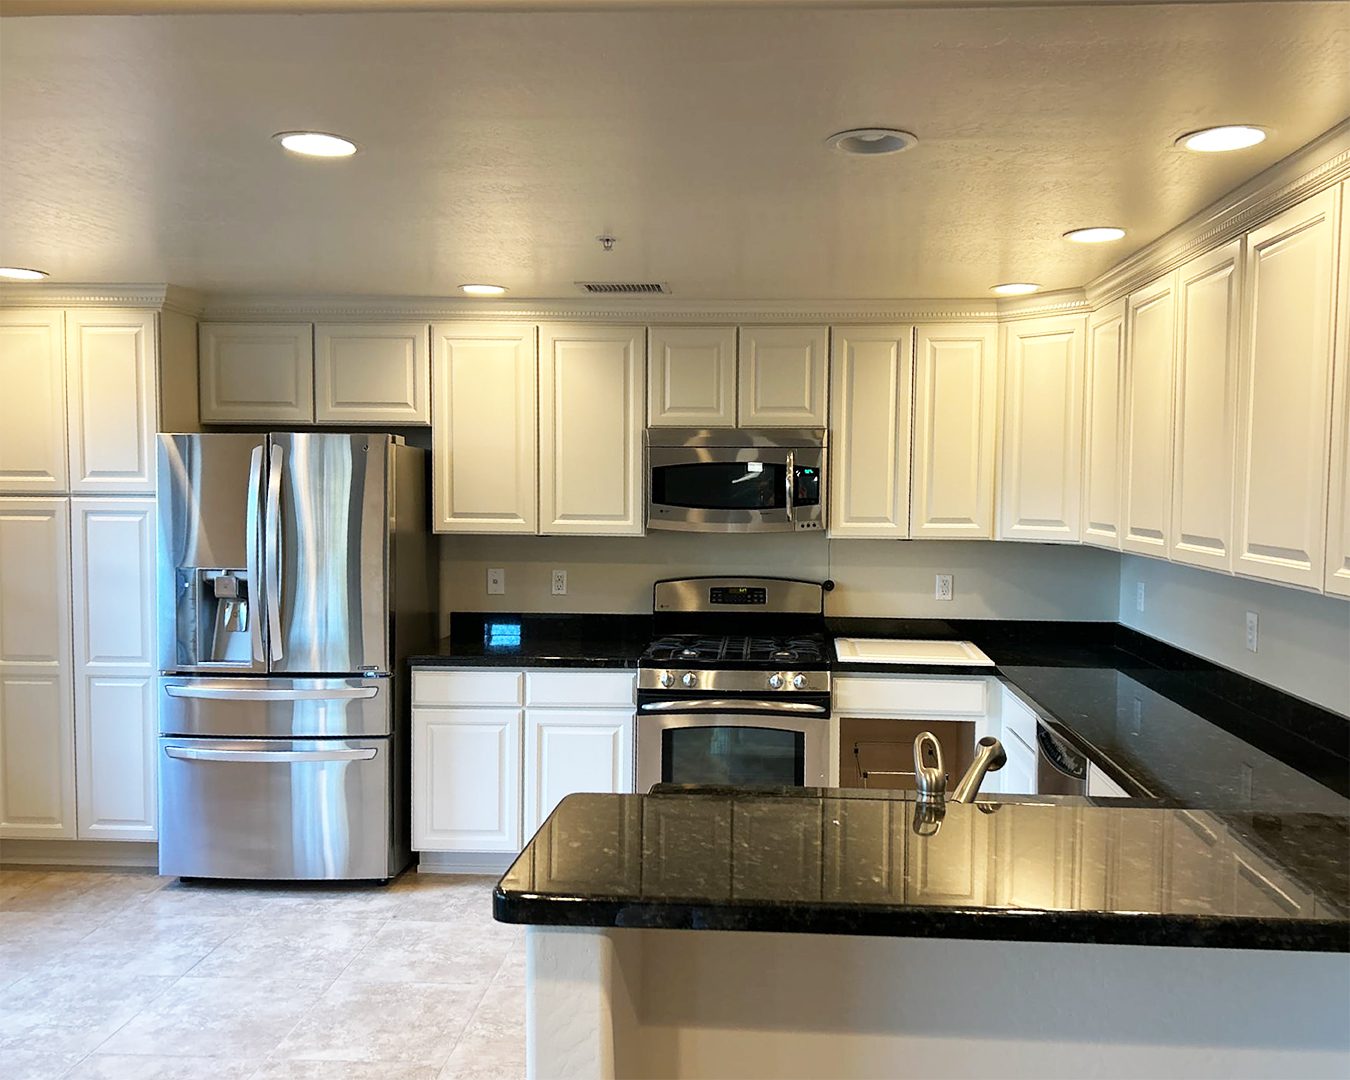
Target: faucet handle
930,773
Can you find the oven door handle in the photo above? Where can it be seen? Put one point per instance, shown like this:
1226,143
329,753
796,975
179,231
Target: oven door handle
796,708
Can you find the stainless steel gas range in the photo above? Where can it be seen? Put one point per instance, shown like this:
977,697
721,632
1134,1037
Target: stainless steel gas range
736,687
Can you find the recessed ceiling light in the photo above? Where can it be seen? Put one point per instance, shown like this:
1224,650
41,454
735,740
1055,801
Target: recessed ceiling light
483,290
21,273
1015,288
316,144
1099,234
871,141
1217,140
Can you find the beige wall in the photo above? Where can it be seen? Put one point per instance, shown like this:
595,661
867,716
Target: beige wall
873,577
1304,645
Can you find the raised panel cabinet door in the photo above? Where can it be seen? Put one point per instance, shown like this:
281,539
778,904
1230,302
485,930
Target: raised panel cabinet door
782,376
113,545
466,779
1042,429
691,376
1103,425
372,373
33,404
955,411
591,399
1337,581
1209,303
257,373
871,390
1149,368
484,440
574,750
110,389
37,726
1284,395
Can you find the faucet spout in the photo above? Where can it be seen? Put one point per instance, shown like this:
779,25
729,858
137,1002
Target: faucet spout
930,774
989,757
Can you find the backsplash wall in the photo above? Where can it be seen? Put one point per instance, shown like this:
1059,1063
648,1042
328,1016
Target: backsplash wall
872,577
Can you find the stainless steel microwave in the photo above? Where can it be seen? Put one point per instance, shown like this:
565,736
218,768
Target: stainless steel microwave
736,479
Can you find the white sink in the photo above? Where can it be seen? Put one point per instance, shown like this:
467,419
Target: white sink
908,651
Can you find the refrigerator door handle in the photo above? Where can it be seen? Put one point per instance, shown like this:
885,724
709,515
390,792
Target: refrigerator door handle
252,528
273,558
232,693
186,753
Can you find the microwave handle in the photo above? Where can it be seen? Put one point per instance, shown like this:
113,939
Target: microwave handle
791,478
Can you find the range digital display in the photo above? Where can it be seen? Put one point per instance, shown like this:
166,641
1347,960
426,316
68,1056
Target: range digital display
737,595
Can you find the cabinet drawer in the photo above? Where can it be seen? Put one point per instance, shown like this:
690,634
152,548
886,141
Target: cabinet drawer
904,696
580,688
468,687
1018,718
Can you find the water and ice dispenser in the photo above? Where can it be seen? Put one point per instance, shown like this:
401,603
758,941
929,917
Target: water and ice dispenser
213,617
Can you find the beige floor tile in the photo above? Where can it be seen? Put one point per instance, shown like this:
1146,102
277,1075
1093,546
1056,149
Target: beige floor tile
213,1017
159,1067
60,1011
29,1063
153,943
90,893
444,897
430,952
209,898
29,940
344,1070
411,1023
306,949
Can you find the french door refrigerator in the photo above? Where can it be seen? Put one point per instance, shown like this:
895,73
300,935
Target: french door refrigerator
295,575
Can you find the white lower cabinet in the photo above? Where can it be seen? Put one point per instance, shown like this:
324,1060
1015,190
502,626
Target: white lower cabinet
466,779
570,750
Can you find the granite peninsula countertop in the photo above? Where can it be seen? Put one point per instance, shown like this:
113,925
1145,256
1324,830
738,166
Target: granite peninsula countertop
827,861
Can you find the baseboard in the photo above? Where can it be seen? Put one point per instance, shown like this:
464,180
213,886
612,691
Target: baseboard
117,854
463,862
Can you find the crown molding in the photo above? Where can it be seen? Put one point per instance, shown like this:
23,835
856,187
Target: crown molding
48,294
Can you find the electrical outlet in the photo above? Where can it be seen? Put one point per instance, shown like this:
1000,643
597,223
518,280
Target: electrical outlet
1253,632
1139,597
942,587
496,581
559,582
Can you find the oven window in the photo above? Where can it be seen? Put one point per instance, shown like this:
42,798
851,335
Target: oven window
733,755
731,485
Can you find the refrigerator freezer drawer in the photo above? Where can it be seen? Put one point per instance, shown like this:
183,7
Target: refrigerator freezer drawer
314,809
275,708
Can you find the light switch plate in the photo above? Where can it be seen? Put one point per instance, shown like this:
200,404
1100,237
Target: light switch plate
496,581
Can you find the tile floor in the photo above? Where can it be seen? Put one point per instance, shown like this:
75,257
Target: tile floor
111,975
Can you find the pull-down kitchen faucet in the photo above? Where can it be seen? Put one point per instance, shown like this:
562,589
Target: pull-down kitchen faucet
930,775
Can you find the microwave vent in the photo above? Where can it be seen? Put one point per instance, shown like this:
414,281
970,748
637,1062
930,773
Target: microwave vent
624,288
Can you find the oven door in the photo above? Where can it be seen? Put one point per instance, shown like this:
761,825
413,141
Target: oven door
732,749
721,488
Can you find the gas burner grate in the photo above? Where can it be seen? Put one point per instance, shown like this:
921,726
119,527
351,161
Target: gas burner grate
691,648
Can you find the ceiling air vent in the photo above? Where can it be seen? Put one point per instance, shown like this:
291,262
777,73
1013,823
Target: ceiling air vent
623,288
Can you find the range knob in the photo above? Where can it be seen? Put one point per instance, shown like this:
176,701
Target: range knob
689,679
775,681
799,682
667,679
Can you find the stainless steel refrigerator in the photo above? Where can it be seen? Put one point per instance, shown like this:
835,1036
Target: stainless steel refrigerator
295,576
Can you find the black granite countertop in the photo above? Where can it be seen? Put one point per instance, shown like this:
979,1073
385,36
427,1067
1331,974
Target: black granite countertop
874,863
579,641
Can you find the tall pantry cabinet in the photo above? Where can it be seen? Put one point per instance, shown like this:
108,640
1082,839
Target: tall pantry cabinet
77,545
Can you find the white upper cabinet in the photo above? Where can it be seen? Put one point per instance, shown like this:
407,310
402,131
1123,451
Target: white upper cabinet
591,398
955,410
485,450
110,390
1150,346
1338,521
1284,395
1041,478
691,376
871,387
33,402
1103,419
782,377
255,373
372,373
1209,302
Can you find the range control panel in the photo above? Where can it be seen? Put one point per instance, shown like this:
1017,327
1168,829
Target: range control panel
737,595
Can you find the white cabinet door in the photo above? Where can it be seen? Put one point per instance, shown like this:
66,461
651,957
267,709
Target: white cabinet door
1284,396
110,389
572,750
1042,429
955,410
257,373
372,373
1104,390
466,776
782,376
1150,345
1338,520
37,728
591,400
33,402
113,550
485,447
1209,301
691,376
871,389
